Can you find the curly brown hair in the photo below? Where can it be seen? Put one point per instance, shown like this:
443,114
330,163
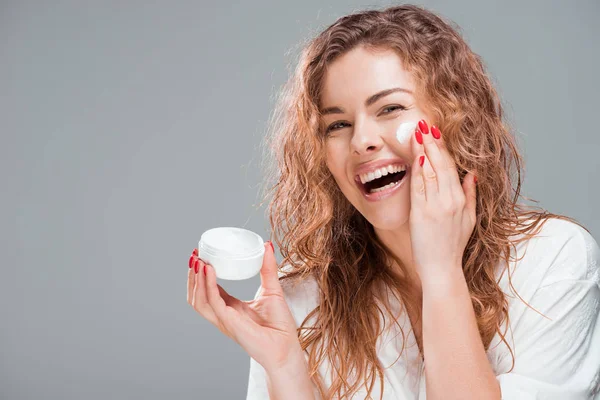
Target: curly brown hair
321,235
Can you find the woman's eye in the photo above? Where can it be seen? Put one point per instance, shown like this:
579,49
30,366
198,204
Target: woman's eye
394,108
331,127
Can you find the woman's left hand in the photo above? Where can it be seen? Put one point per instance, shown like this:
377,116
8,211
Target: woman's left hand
442,214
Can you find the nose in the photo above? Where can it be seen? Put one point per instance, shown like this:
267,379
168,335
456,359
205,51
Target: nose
366,138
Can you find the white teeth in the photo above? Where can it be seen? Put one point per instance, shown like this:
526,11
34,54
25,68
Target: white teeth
385,187
379,172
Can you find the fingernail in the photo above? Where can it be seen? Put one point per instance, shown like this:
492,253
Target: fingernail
204,270
195,252
272,247
196,265
475,179
190,262
421,160
423,126
435,132
418,136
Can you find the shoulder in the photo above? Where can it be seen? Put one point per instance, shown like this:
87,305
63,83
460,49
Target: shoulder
561,250
551,334
568,249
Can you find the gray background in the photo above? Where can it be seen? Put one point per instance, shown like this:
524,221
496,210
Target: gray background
129,128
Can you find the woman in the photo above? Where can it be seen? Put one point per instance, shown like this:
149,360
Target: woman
409,267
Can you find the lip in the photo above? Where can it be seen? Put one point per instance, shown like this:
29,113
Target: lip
373,165
384,193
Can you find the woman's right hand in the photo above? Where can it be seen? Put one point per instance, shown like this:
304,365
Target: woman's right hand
264,327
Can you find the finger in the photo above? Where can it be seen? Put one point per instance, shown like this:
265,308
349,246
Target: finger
269,278
430,179
435,168
191,280
193,258
469,186
417,185
200,301
225,315
448,173
428,175
430,145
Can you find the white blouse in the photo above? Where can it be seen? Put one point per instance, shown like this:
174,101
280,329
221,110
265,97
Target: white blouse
559,275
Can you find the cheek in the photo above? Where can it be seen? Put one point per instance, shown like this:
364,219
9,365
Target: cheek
335,161
337,168
338,176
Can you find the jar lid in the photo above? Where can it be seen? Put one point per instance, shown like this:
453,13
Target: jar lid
231,242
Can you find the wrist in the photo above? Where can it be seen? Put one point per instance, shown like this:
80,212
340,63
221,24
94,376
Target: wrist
441,278
290,380
294,363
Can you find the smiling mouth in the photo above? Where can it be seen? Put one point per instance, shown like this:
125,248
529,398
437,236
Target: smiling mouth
383,183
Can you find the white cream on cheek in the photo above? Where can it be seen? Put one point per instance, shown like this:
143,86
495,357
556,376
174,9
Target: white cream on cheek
405,130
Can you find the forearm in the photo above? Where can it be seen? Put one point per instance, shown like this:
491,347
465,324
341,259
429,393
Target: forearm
291,381
456,365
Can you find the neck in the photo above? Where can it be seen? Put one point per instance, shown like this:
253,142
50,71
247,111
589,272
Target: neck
398,241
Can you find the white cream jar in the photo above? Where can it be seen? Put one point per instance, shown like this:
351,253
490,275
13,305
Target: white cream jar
235,253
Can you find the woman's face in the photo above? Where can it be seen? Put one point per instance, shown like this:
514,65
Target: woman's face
361,136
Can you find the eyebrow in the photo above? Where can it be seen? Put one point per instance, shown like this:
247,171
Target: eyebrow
372,99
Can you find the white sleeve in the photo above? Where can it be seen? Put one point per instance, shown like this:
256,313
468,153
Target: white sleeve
257,377
560,358
257,382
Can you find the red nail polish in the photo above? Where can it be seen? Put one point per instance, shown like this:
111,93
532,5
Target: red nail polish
435,132
421,160
190,262
195,252
475,179
205,270
196,265
272,247
423,126
418,136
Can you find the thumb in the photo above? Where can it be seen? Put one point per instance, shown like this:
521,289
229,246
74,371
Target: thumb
469,186
268,273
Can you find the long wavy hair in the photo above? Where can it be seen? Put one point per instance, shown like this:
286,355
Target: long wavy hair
321,235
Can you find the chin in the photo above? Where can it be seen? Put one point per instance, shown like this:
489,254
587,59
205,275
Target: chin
388,218
388,213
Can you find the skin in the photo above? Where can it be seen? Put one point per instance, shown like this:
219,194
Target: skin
264,326
365,133
362,134
426,223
